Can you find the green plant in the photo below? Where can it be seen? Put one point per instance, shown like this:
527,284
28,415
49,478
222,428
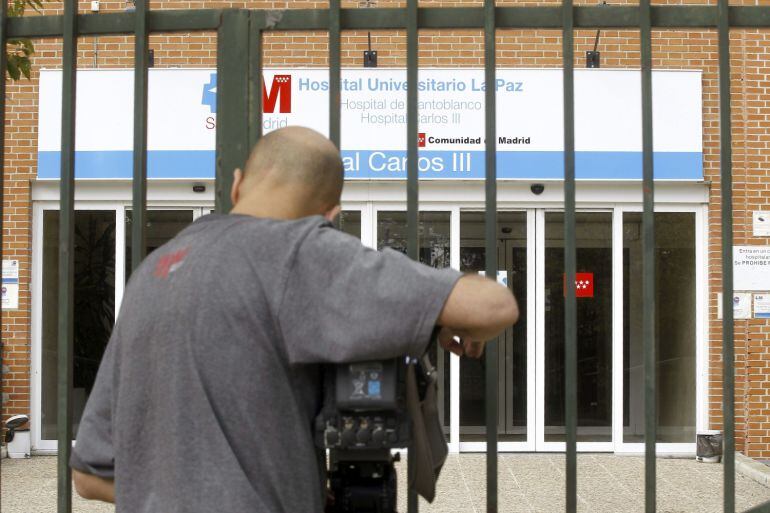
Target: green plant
19,51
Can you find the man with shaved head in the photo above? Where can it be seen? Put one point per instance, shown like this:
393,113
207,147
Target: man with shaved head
207,392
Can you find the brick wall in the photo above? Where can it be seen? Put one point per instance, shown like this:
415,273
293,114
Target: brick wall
695,49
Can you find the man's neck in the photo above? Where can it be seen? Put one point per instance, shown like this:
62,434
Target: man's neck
272,206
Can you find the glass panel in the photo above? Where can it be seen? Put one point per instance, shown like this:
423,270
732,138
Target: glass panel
94,312
594,326
674,327
349,221
512,372
162,226
433,237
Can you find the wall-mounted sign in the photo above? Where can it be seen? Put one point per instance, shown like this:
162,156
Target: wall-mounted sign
584,284
762,306
10,286
761,223
182,119
751,268
741,305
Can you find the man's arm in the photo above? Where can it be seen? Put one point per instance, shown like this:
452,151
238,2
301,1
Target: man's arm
93,487
477,310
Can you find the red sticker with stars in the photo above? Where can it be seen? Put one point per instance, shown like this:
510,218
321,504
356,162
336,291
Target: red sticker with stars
584,284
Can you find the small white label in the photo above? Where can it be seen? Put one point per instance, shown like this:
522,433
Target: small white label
762,306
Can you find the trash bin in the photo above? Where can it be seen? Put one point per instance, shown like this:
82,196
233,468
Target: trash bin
17,437
708,446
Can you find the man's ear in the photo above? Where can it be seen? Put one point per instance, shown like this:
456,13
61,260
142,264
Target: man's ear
237,180
332,213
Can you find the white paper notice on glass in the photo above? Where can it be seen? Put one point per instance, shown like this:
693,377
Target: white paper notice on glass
751,268
761,223
10,285
741,305
762,306
502,277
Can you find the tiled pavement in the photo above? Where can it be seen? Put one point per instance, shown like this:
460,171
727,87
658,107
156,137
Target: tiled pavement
527,482
606,483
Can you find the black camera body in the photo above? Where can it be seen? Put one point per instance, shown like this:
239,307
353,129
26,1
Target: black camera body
363,418
364,407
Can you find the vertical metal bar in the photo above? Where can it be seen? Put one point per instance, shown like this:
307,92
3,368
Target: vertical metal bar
334,72
490,244
66,257
232,102
648,260
255,80
412,181
139,185
570,258
726,184
3,64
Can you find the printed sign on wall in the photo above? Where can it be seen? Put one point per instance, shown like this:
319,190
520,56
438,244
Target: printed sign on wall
741,305
182,117
10,287
762,306
584,284
751,267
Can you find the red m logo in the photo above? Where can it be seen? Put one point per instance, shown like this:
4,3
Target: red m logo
280,88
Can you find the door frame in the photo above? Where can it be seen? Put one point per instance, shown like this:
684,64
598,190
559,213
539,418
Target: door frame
529,444
370,197
701,331
38,444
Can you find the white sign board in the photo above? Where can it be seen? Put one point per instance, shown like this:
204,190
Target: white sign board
10,285
182,121
761,223
762,306
751,268
741,305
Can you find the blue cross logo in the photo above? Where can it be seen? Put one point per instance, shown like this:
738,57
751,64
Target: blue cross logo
210,94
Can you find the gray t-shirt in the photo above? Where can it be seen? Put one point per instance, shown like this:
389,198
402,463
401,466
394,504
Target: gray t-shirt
207,392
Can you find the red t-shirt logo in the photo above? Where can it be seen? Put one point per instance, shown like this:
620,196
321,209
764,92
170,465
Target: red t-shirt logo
169,263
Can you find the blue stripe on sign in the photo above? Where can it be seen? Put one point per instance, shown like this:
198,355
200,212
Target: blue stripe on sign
10,280
120,164
389,164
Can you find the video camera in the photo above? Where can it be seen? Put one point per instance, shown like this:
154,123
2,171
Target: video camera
364,416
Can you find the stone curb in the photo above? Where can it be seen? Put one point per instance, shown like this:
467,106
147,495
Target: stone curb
752,469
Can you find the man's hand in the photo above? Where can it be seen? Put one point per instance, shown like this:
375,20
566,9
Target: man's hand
459,343
93,487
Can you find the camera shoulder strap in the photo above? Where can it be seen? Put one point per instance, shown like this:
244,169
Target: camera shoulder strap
428,442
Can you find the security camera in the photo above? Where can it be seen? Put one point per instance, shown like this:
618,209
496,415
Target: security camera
537,188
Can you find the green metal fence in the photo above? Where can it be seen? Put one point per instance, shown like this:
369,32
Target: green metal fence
239,86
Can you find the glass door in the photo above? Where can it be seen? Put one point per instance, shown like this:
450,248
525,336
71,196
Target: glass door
594,296
94,309
513,388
